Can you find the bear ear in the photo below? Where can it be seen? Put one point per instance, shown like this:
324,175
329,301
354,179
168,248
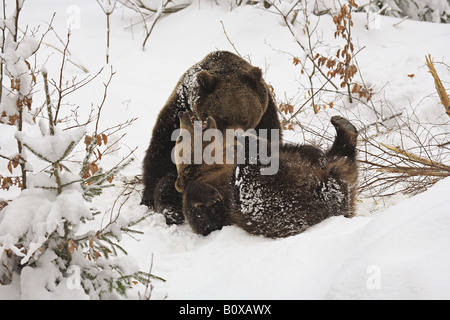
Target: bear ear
210,124
206,81
254,74
180,114
185,119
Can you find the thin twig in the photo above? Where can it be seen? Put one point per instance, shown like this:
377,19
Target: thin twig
105,93
61,72
231,42
149,286
158,15
48,102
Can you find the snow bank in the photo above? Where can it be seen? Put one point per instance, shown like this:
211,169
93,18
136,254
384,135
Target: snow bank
400,253
406,246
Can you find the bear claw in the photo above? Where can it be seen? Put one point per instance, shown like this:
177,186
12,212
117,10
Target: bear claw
214,199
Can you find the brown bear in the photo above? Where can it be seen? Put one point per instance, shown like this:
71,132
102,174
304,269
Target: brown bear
222,85
309,186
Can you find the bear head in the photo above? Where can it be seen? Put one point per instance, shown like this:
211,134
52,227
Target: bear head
235,99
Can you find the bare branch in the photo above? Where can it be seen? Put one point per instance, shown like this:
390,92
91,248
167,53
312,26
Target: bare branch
226,35
105,93
158,15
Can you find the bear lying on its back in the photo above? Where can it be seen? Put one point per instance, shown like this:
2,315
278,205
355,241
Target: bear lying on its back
310,186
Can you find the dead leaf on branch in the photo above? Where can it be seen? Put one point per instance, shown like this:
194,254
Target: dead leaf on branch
3,204
286,108
15,84
14,162
91,170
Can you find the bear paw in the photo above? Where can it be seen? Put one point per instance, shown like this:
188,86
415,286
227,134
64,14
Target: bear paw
342,124
199,194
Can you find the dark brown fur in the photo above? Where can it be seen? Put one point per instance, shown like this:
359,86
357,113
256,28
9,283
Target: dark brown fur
223,86
310,186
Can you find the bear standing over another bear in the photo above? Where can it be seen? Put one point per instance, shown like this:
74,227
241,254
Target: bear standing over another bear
222,85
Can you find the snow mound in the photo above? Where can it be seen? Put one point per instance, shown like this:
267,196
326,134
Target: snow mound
399,253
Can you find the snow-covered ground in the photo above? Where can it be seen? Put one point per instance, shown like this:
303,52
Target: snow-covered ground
398,251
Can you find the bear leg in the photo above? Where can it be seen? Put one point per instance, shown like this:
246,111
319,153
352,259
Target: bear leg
168,200
346,138
342,162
